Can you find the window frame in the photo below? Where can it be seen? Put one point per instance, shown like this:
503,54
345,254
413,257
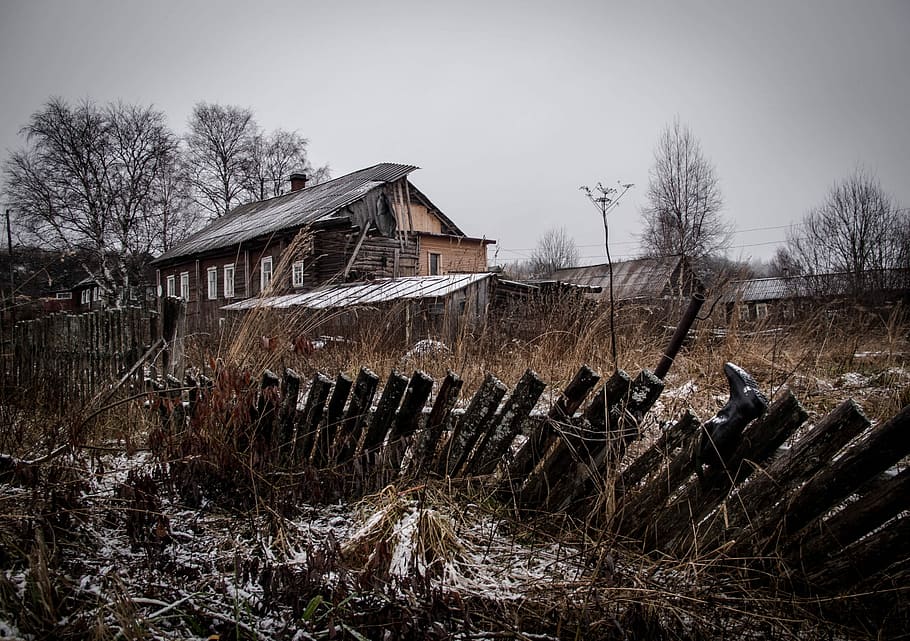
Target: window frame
431,271
211,277
185,286
265,281
171,285
297,274
229,272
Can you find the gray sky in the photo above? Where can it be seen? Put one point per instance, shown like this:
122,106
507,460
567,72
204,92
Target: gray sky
508,107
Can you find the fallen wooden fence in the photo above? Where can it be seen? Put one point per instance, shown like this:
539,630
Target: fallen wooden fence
801,506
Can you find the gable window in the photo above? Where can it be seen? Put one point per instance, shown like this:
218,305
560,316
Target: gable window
297,274
212,273
265,272
185,285
434,260
229,280
171,285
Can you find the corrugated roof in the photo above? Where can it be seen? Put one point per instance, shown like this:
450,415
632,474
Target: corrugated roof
370,293
294,209
641,278
834,284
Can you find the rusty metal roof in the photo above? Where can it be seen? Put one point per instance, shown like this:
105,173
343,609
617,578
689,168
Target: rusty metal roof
632,279
369,293
295,209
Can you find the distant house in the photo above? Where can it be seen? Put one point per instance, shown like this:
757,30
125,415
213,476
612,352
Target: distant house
370,224
784,298
644,280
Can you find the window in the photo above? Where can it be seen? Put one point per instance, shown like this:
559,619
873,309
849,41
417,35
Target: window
86,296
744,311
65,295
171,285
96,294
434,264
229,281
185,285
212,273
265,272
297,274
761,310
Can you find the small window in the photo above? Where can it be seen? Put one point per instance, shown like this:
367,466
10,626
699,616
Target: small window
434,264
761,310
229,281
744,312
185,285
265,273
171,285
86,296
212,273
64,295
96,293
297,274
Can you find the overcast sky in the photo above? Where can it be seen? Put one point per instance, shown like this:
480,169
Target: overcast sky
508,107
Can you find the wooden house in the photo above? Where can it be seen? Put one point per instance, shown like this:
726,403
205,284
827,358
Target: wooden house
373,223
643,280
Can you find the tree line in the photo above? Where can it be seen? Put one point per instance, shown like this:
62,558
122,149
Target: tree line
858,229
113,185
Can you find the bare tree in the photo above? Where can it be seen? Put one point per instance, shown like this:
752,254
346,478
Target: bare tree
273,158
555,250
220,147
858,230
88,181
683,215
784,263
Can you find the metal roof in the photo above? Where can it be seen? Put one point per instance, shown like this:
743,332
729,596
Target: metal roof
833,284
297,208
641,278
370,293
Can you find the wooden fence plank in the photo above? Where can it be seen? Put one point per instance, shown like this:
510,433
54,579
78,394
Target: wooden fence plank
472,425
381,421
758,497
408,420
307,424
427,443
290,391
326,435
507,424
352,426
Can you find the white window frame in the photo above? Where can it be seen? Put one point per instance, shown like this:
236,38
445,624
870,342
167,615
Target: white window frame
297,271
265,273
761,311
64,295
212,280
171,285
744,311
185,285
86,296
228,280
430,270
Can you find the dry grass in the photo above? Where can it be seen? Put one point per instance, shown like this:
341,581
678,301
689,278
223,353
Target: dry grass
420,559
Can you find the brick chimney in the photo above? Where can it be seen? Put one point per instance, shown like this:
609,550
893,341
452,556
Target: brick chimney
298,182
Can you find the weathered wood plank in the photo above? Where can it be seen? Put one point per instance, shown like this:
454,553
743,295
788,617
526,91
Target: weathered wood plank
359,407
408,420
829,537
884,446
427,443
381,421
507,424
309,419
326,436
758,497
473,423
536,482
290,392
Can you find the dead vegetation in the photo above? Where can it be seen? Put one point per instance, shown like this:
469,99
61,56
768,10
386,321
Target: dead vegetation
149,530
